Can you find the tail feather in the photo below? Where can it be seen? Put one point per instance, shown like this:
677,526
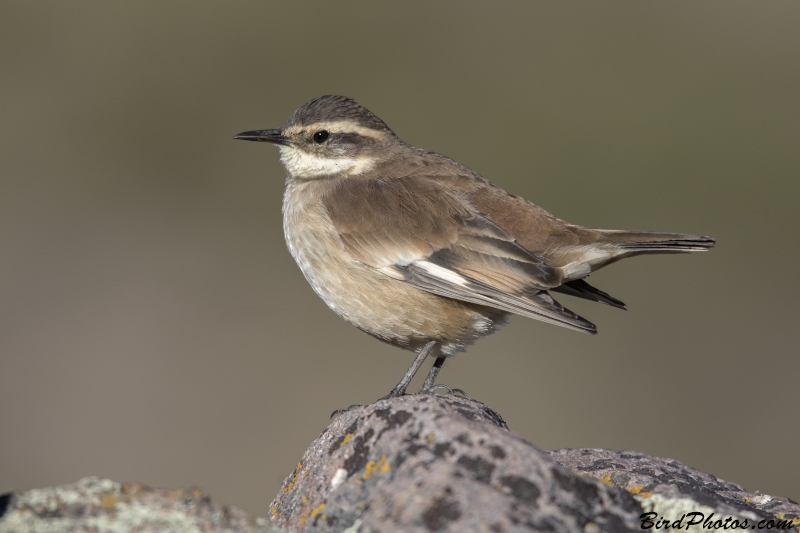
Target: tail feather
601,247
579,288
654,242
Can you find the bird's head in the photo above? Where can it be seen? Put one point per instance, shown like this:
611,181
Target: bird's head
329,136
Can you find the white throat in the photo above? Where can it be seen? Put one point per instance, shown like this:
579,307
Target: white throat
302,165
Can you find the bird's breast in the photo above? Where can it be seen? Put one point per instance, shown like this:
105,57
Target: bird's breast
314,243
387,308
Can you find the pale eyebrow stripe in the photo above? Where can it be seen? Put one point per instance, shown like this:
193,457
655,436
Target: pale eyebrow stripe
342,126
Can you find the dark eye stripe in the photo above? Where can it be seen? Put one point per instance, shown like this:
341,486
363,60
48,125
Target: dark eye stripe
355,139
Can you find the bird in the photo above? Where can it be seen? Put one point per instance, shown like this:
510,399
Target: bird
422,253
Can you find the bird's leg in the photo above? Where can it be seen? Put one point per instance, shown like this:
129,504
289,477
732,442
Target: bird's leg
429,388
400,388
437,365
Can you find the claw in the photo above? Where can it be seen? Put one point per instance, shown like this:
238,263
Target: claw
454,392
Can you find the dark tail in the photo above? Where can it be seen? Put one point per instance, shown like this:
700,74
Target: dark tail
650,242
601,247
581,289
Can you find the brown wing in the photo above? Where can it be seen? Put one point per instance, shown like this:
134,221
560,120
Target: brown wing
418,230
574,250
550,239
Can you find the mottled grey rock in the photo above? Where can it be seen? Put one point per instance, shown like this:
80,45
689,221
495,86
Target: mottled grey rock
425,463
672,489
104,506
440,463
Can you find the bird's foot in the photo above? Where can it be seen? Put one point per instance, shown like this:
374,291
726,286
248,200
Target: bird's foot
394,393
454,392
397,393
340,411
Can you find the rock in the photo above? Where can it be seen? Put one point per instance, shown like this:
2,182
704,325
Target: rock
440,463
104,506
670,488
424,463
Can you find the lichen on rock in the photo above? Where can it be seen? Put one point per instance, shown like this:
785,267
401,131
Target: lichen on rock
104,506
440,463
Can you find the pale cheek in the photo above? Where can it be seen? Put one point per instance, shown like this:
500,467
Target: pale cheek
302,165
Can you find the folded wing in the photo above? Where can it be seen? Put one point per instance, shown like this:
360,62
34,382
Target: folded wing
417,231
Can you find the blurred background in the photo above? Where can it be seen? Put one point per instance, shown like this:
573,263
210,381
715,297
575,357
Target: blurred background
154,328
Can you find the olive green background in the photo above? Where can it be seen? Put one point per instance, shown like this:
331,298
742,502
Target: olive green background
153,326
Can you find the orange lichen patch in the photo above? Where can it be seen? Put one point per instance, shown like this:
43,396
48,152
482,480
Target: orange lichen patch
273,510
347,438
299,466
304,500
794,522
290,486
307,472
303,520
386,467
108,501
607,481
637,490
323,517
198,493
317,510
370,469
431,437
373,467
175,494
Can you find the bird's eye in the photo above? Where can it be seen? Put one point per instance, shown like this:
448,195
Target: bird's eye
321,136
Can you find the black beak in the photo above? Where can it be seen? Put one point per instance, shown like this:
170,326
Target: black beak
269,136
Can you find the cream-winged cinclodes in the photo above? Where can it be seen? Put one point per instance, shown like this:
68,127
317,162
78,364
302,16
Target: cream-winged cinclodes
421,252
